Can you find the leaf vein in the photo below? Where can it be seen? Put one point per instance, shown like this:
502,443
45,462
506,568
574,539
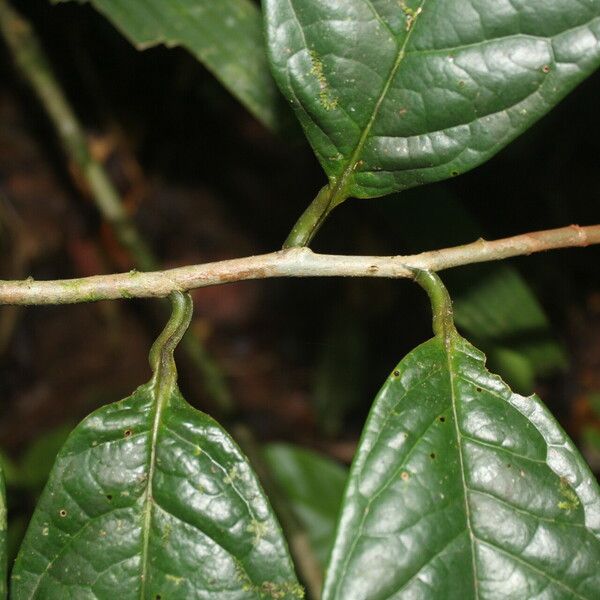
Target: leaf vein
532,567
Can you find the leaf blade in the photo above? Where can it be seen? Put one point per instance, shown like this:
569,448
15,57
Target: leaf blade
151,497
511,522
187,541
225,36
314,487
396,94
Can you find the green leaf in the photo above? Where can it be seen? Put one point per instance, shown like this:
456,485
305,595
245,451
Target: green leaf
398,93
500,310
462,489
37,461
3,538
314,487
341,366
150,498
225,35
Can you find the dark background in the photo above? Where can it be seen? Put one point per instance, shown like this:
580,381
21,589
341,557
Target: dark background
204,181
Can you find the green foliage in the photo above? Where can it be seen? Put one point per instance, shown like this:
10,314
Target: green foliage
339,377
462,489
226,36
396,94
314,487
153,498
37,461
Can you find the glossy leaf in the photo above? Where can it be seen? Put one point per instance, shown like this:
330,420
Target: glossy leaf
225,35
462,489
341,368
314,486
150,498
397,93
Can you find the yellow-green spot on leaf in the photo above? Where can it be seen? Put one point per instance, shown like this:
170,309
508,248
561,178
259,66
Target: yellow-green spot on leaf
410,14
258,530
166,533
281,591
327,100
242,575
231,476
571,501
197,451
176,580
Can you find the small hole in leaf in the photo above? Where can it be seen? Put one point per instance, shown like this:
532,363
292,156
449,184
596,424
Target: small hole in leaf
127,433
62,512
442,419
396,373
432,455
479,389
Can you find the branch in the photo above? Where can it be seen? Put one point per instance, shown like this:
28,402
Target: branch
293,262
30,58
32,63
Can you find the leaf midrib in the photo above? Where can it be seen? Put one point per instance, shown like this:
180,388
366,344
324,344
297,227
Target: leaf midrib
161,389
338,193
449,348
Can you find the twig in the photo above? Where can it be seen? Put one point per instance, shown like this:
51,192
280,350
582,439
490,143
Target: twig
31,60
293,262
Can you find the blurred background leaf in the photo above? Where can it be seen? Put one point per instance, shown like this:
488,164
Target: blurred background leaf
340,376
314,487
226,36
